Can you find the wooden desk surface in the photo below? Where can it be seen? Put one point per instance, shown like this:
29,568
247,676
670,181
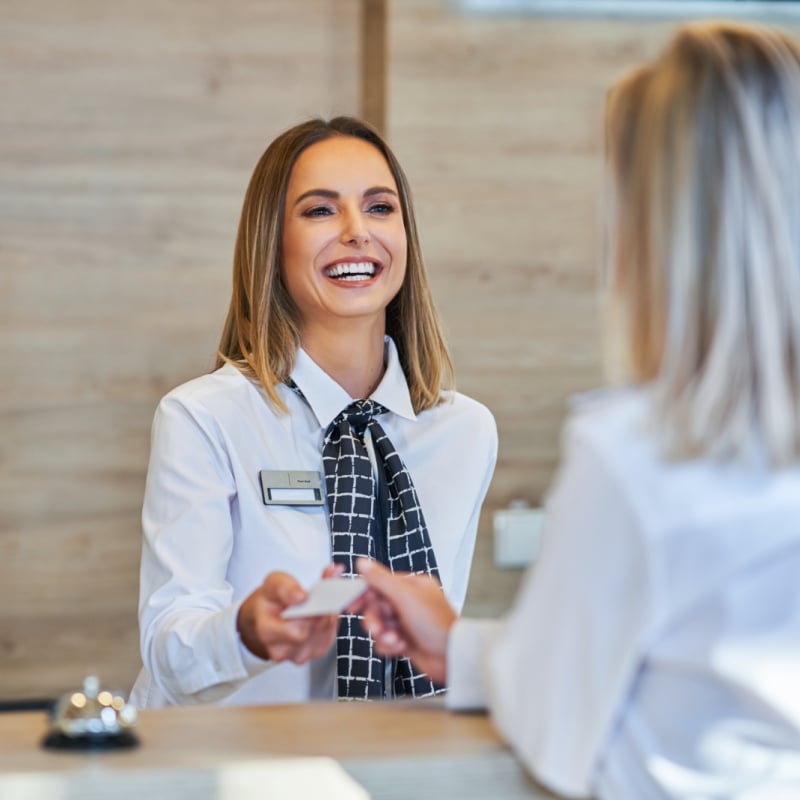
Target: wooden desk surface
394,750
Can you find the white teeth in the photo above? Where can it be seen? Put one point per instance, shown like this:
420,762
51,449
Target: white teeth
356,271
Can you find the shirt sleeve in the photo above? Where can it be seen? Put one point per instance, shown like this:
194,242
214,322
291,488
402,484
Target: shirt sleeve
467,678
463,562
187,613
557,670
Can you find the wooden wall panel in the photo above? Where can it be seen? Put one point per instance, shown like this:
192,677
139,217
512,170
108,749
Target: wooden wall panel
498,122
129,131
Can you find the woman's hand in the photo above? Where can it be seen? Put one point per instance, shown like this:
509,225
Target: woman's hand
406,615
267,635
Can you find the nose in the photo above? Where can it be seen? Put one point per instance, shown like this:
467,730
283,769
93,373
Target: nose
354,230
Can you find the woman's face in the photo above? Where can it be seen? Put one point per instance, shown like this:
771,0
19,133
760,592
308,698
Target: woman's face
344,241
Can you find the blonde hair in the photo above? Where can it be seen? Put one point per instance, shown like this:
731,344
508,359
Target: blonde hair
262,330
703,146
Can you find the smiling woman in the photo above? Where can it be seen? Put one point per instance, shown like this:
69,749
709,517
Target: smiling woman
332,377
344,250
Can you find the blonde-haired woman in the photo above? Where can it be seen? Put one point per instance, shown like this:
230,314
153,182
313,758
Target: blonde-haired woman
654,650
329,430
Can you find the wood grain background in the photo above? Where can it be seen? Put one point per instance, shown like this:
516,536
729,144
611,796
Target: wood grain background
129,131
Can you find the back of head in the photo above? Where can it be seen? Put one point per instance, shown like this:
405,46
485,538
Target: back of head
703,147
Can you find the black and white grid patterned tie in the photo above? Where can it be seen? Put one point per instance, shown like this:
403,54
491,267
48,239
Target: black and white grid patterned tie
403,544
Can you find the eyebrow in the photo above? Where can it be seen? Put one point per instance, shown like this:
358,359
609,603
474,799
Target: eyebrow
335,195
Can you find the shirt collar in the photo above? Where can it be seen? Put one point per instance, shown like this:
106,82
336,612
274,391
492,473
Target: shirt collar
327,399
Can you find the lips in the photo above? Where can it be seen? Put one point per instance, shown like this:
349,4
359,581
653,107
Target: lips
352,270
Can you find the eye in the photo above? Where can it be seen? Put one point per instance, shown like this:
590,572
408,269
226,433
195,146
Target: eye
317,211
381,208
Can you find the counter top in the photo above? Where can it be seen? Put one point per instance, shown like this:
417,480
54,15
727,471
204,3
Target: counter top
413,749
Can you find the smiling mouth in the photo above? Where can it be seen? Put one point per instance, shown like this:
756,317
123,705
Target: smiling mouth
355,271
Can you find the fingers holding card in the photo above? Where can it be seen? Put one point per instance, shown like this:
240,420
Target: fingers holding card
329,596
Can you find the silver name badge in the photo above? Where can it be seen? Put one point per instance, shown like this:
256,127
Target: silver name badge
294,488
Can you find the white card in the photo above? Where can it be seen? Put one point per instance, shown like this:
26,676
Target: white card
329,596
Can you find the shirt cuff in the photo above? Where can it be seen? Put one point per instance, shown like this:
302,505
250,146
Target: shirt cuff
231,662
468,648
251,663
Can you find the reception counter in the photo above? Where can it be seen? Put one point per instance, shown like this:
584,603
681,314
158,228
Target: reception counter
332,750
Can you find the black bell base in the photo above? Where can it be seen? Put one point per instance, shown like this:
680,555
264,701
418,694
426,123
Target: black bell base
56,740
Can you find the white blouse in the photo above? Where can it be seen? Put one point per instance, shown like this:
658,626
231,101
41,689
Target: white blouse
654,649
209,539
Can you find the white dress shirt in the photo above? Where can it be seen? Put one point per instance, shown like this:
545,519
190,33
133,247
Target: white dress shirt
209,539
654,649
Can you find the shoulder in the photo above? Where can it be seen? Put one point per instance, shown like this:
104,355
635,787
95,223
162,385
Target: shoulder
612,441
463,422
217,394
457,409
608,442
608,420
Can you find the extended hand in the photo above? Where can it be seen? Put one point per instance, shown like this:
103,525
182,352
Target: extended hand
407,615
266,634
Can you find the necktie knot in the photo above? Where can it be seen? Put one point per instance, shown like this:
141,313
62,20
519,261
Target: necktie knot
359,414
